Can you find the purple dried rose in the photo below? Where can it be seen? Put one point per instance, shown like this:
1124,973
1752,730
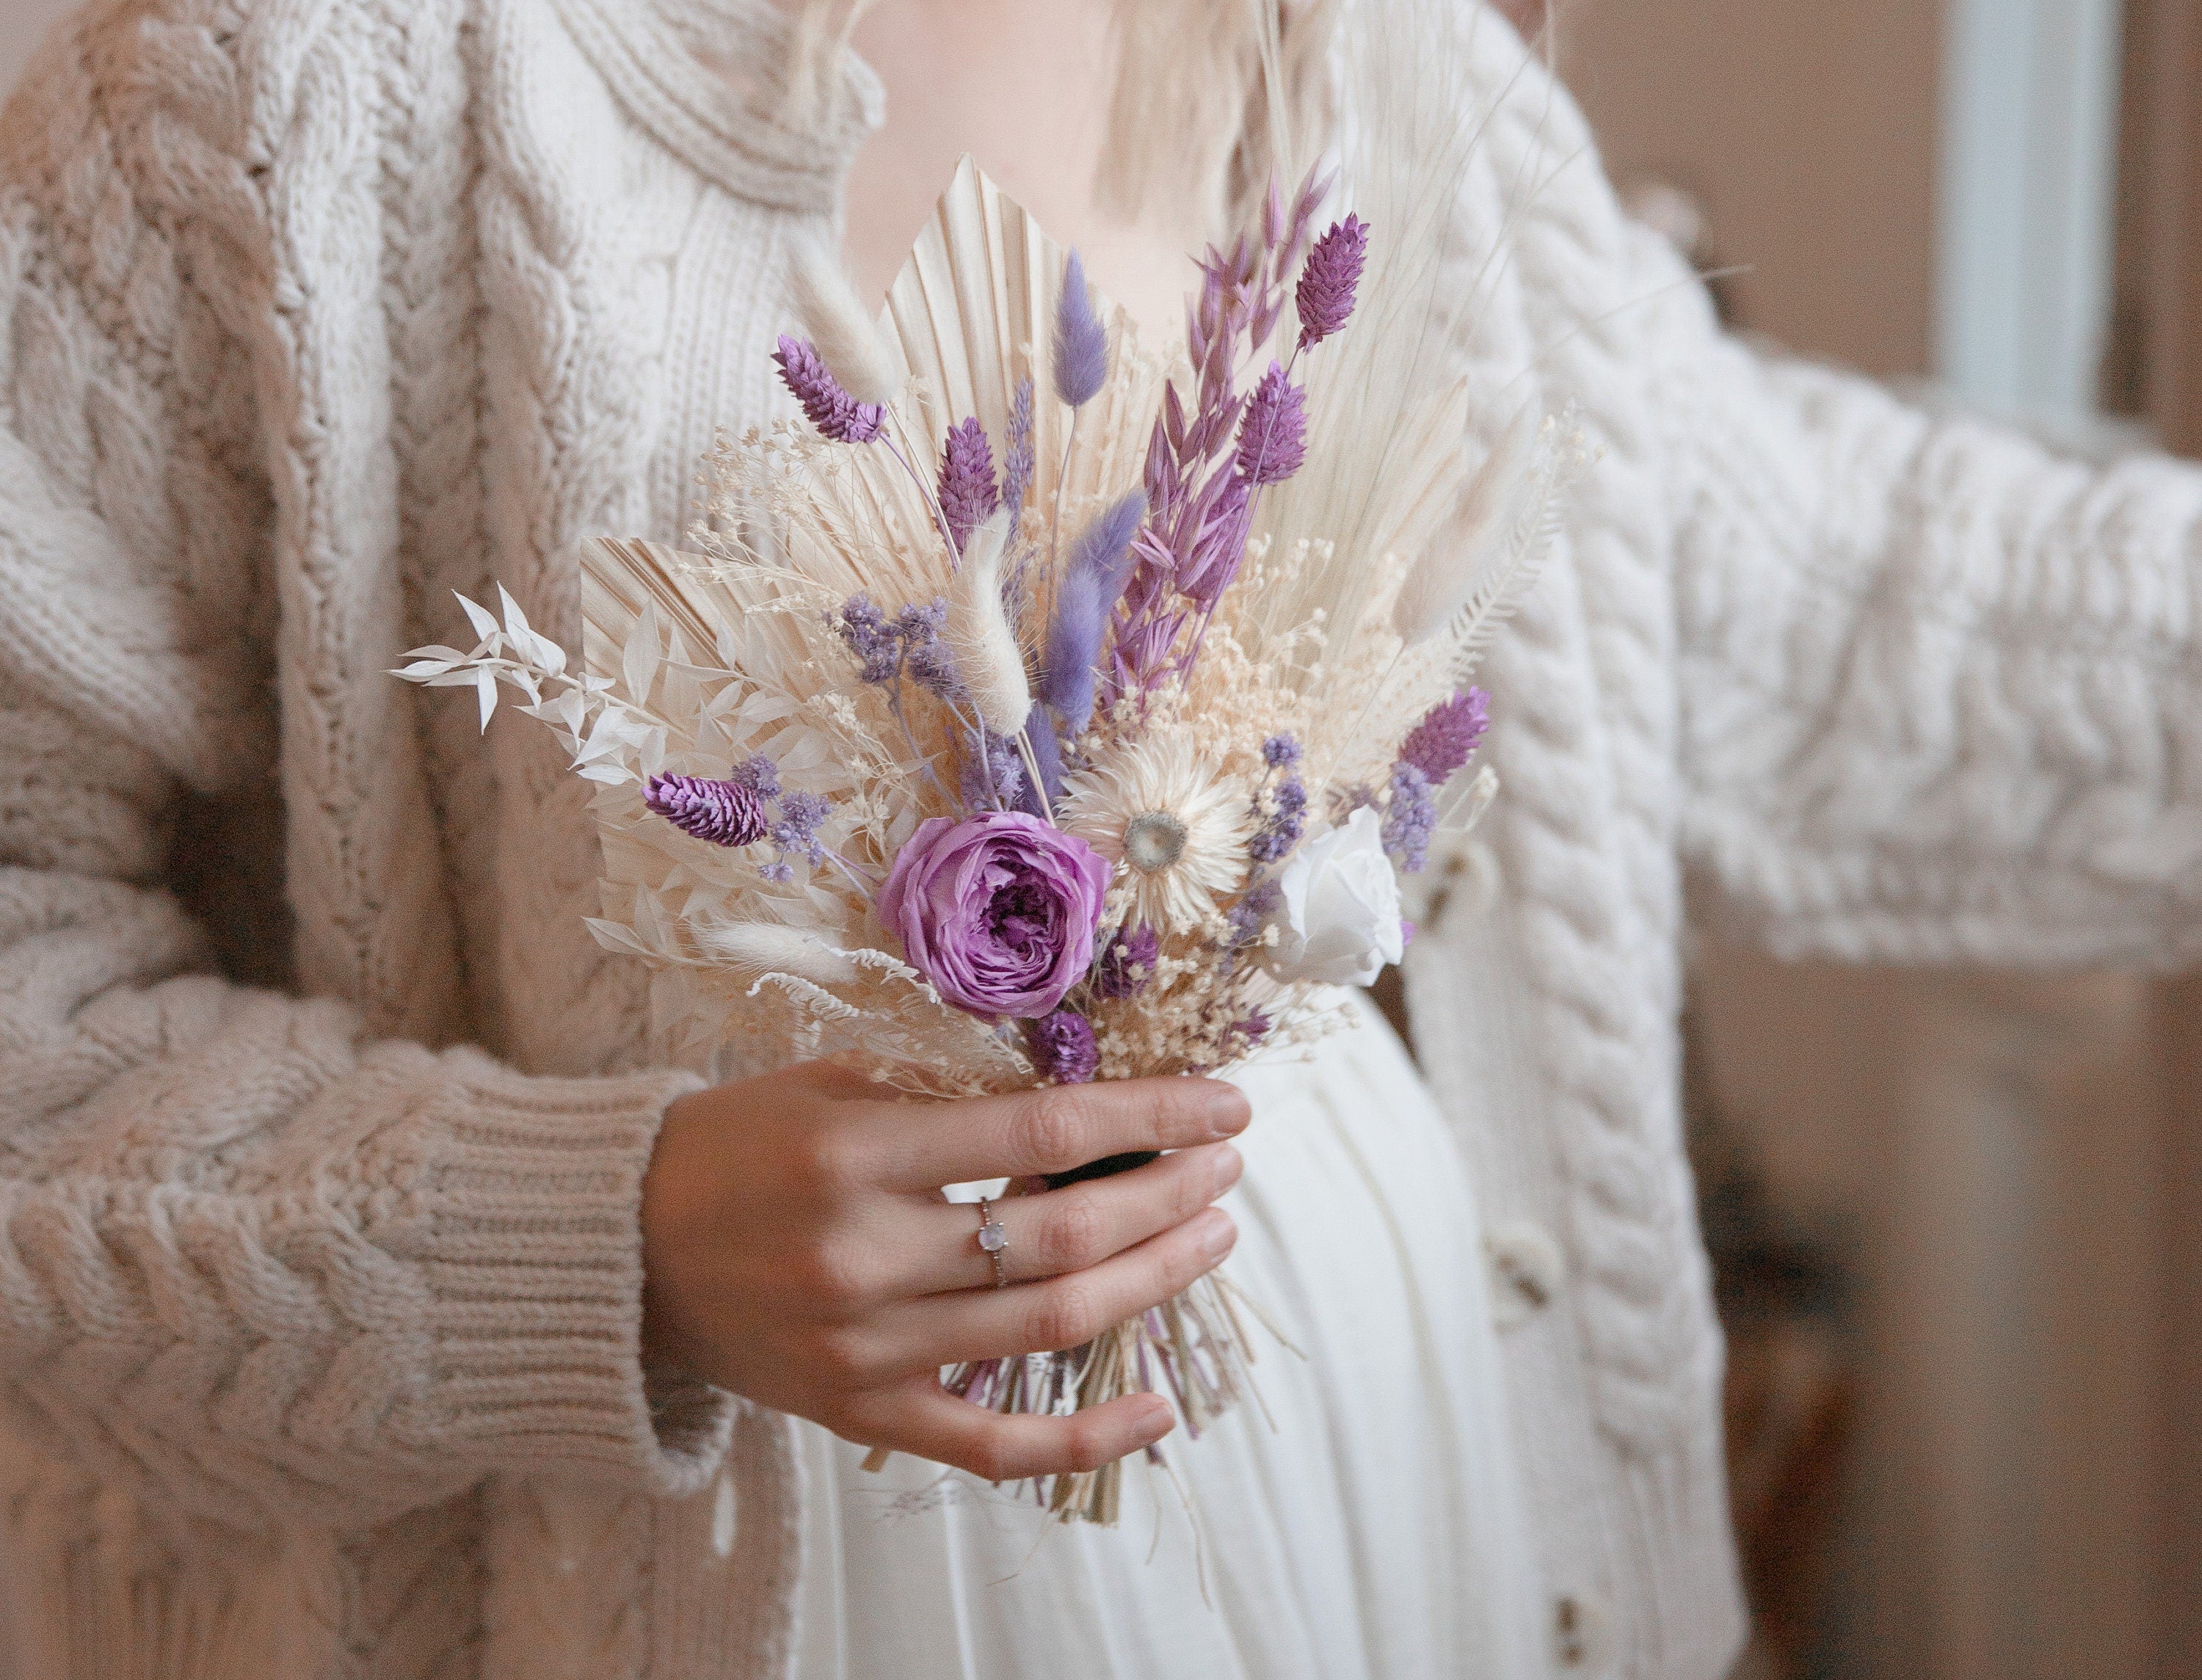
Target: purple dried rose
998,912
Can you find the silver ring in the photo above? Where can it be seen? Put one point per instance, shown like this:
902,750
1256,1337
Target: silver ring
995,1240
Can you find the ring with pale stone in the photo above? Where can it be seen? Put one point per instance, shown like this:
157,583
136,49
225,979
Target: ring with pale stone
994,1239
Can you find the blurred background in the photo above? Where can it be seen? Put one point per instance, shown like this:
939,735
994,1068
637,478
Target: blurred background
1957,1218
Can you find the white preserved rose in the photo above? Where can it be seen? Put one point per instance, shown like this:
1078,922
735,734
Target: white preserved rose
1337,918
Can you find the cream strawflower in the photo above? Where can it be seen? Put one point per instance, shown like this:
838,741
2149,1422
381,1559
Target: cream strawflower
1173,824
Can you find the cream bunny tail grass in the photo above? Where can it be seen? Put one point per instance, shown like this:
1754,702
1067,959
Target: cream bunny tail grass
979,630
841,327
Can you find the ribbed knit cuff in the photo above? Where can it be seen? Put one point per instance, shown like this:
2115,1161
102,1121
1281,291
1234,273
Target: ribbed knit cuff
532,1254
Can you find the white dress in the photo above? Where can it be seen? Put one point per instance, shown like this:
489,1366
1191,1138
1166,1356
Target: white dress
1371,1526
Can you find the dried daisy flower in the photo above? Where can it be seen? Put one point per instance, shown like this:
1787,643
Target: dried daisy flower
1174,826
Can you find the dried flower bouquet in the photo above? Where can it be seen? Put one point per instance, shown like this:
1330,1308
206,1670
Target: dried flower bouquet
1041,711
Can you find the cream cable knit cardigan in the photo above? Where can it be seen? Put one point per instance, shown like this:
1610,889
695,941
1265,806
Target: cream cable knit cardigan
318,1326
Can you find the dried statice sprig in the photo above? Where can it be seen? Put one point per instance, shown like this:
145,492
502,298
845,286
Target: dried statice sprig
1128,963
1410,818
1063,1047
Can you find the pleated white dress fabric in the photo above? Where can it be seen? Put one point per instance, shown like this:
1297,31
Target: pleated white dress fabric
1369,1526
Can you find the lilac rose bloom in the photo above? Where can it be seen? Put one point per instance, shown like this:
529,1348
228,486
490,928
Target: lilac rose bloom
997,911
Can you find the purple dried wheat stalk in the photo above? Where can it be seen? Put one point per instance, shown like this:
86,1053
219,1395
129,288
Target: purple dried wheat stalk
1325,296
968,495
833,411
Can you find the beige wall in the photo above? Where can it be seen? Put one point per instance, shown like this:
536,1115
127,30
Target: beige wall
1807,129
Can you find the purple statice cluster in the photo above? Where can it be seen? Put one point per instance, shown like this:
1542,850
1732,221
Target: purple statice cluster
833,411
969,494
993,776
1282,807
1063,1047
747,807
1248,917
1438,746
1410,817
907,645
795,832
1247,1032
1128,963
1208,461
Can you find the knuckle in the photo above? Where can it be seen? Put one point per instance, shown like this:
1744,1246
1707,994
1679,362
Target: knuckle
1074,1233
990,1458
1049,1129
830,1160
841,1357
1085,1445
836,1278
1063,1316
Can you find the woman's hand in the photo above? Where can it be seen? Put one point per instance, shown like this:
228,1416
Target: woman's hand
797,1251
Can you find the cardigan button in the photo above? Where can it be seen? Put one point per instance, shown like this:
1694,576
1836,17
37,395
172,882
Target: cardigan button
1583,1634
1528,1272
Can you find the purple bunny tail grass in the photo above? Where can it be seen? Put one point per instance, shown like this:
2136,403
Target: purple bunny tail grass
1328,284
967,494
1083,602
833,411
1047,756
724,813
1081,342
1062,1045
1273,431
1017,464
1447,737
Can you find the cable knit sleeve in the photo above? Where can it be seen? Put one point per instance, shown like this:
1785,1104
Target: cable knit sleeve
1941,691
253,1262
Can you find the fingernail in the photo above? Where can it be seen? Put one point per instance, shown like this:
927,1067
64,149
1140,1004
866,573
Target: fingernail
1158,1420
1225,1168
1227,1111
1220,1236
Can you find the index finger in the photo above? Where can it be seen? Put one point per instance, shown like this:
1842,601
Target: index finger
925,1146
